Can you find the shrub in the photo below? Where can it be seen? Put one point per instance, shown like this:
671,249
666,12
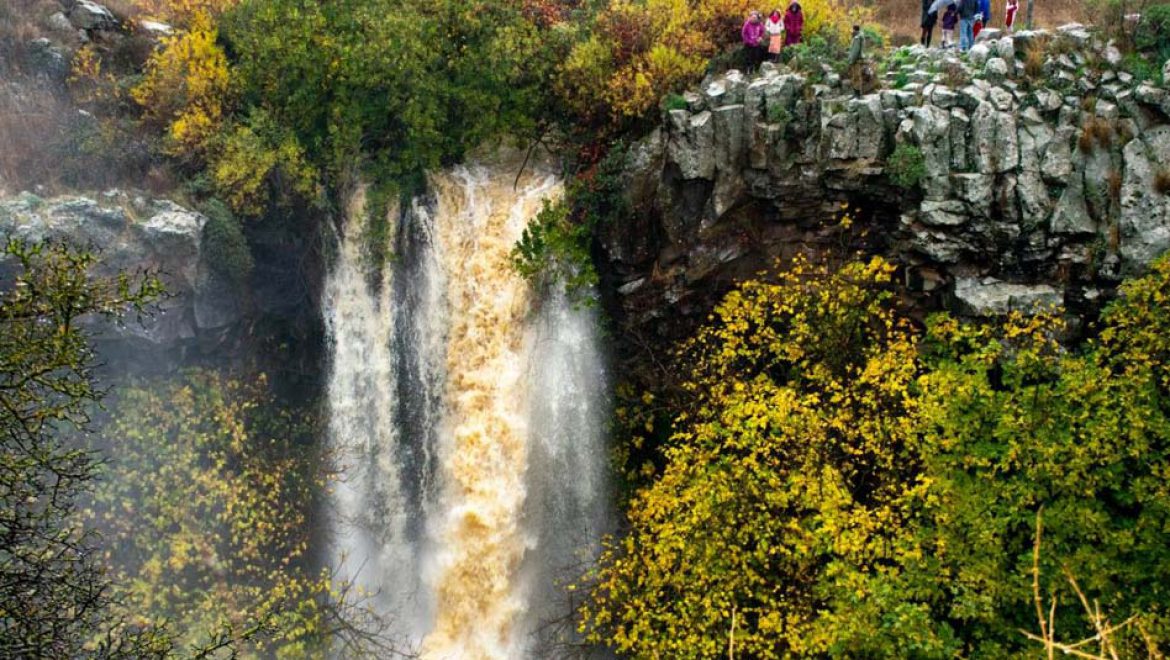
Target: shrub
1152,34
1034,60
1140,67
187,88
225,243
906,166
259,161
839,485
555,247
674,102
206,510
778,114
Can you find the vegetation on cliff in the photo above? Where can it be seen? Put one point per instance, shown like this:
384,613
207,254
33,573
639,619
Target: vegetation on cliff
54,598
839,483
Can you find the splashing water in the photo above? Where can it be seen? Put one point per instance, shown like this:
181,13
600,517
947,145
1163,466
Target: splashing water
467,417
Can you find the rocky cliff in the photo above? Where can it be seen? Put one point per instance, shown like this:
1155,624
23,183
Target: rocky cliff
1032,171
209,312
135,234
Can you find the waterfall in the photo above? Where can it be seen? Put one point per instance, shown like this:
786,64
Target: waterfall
466,418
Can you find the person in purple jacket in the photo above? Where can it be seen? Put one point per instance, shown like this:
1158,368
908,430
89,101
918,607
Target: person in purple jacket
950,19
753,47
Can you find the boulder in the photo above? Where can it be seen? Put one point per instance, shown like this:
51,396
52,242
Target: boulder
1145,207
49,61
59,22
991,297
978,54
89,15
1006,50
160,237
996,70
691,144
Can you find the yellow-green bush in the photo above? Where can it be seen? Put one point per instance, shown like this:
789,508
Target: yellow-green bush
251,156
204,507
842,485
187,87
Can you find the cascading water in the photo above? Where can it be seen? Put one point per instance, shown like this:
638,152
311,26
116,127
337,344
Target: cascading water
466,415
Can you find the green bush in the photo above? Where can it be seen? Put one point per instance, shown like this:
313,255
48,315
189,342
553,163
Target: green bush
674,102
1153,32
555,246
225,244
1141,68
906,166
778,114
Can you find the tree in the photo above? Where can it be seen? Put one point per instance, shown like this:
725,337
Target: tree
786,490
401,87
841,484
53,595
206,513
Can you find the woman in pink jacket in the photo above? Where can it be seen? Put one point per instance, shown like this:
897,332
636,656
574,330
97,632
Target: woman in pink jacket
753,34
793,24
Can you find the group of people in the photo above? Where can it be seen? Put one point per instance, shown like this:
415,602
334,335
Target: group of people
969,15
763,38
780,29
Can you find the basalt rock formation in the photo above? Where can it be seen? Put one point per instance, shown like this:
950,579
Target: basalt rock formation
1011,187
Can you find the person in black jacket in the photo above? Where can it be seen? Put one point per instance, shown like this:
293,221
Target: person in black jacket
929,18
967,11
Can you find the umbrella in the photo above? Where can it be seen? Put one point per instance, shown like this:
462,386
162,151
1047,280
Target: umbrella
938,5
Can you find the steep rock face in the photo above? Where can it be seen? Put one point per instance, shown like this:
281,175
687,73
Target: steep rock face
136,235
1029,192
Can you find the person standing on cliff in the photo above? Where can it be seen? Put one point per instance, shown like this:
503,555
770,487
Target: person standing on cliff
967,11
949,20
793,24
774,26
929,18
752,33
1009,15
861,74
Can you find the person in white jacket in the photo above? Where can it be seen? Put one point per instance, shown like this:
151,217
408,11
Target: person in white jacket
774,28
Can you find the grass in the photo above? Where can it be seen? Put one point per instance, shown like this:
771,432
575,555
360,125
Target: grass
1095,132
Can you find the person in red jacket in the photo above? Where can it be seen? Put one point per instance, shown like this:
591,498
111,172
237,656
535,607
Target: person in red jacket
793,24
1009,16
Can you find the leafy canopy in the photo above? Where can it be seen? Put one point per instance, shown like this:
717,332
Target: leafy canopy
53,594
840,484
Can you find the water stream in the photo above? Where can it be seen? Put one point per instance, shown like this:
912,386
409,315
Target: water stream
466,415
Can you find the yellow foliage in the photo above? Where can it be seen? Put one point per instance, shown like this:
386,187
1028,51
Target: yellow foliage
590,61
187,86
183,12
251,153
89,82
205,510
640,51
790,456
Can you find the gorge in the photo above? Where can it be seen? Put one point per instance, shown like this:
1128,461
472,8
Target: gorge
551,332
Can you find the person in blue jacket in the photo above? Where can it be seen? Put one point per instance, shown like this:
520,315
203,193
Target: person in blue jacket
985,9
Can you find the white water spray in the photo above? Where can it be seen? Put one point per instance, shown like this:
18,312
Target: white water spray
468,418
